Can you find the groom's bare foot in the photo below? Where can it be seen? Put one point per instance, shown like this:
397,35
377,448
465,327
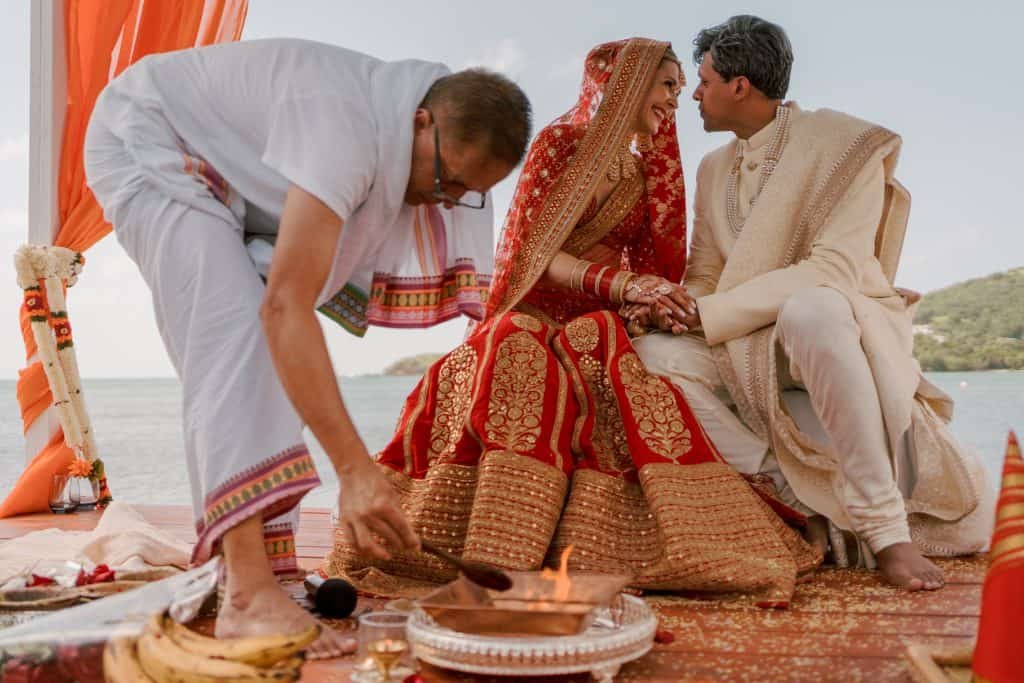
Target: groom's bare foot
816,533
904,567
268,610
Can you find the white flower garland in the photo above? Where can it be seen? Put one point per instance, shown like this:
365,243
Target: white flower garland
52,267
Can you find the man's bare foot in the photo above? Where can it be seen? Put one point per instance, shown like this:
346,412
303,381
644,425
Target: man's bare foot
255,604
816,533
904,567
268,610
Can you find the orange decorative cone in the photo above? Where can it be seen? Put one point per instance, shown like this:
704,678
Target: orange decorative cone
997,657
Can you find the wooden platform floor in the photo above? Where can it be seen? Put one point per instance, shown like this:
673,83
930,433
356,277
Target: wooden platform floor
844,625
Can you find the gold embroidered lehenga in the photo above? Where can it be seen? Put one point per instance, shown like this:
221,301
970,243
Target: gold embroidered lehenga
543,429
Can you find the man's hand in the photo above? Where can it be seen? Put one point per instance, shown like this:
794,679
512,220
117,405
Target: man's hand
303,257
637,317
675,311
665,320
368,505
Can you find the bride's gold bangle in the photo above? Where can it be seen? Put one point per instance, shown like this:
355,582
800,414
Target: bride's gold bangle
579,269
622,280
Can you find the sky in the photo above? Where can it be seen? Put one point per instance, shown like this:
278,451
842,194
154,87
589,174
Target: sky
945,76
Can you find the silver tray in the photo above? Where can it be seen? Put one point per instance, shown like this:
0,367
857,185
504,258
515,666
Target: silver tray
618,634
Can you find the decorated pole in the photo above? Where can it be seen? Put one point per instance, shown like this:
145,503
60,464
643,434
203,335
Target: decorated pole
47,105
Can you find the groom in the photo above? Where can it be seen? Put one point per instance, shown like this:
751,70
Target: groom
791,294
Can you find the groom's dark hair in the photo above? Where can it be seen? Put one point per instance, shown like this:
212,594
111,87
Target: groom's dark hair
749,46
484,107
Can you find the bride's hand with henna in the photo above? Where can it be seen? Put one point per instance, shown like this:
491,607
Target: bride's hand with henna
644,289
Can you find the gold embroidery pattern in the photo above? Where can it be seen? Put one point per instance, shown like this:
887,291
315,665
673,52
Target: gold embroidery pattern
421,404
583,334
561,410
618,205
516,508
486,359
669,532
731,379
608,438
454,397
438,507
525,322
659,421
748,548
578,390
517,392
609,525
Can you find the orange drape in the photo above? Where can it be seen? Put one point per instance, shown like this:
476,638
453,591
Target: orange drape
103,37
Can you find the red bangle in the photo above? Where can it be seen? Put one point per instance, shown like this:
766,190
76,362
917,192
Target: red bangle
590,277
604,286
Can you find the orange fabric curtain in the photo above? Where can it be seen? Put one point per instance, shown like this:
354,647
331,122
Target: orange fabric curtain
103,37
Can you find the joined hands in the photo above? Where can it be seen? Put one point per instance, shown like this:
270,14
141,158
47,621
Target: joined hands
653,301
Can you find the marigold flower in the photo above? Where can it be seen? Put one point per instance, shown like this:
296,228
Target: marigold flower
80,468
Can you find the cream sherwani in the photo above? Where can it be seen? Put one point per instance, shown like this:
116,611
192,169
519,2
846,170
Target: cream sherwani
792,295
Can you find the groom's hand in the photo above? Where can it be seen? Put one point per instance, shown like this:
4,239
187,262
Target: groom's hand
665,320
675,311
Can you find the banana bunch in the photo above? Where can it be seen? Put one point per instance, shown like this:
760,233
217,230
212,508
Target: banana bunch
168,652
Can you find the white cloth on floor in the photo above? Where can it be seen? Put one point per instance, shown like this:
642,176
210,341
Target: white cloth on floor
123,540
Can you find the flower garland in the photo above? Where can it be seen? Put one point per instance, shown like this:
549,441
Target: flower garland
43,274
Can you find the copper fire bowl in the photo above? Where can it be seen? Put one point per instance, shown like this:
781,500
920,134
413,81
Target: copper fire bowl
529,608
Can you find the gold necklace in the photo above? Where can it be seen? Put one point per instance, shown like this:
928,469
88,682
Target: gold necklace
623,165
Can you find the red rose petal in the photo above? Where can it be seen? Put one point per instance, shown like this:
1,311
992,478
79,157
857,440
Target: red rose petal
663,636
37,580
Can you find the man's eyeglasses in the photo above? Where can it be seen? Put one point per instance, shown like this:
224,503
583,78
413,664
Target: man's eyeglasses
470,199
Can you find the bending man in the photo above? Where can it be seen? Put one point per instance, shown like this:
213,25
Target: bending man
339,160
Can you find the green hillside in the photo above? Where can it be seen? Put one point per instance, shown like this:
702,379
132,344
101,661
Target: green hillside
414,365
974,325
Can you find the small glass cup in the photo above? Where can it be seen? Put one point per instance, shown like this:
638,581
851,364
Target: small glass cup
63,494
89,493
383,653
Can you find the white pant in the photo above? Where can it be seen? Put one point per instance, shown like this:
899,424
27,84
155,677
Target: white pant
243,439
821,339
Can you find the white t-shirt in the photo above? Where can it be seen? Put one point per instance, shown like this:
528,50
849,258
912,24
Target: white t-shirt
269,113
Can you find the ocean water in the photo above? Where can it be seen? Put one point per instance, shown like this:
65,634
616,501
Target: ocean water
138,428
